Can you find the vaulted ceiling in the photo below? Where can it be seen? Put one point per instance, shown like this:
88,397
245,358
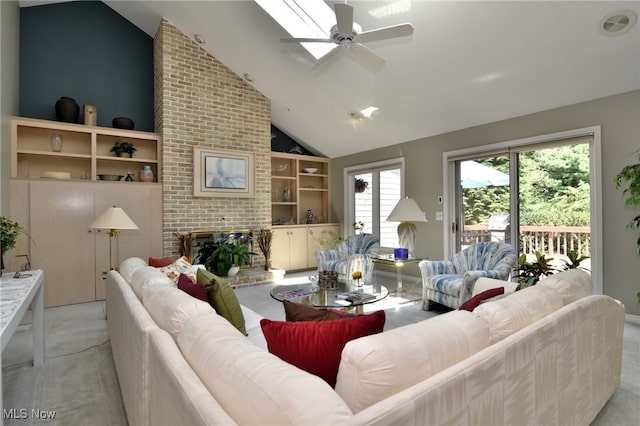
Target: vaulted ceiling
466,64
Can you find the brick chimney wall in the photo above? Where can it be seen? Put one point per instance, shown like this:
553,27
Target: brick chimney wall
199,102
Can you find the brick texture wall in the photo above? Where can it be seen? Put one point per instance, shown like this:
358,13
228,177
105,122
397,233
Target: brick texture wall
198,101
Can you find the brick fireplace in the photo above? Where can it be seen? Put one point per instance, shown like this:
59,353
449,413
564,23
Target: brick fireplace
198,243
199,102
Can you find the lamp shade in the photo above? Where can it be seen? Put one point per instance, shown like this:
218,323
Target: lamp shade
113,218
406,211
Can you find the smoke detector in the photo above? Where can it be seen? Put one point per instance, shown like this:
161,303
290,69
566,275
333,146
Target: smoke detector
617,23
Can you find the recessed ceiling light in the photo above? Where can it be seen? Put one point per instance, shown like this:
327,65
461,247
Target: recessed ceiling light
617,23
199,39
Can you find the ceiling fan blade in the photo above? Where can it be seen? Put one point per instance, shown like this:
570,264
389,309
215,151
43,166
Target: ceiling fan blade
323,61
344,18
367,55
394,31
305,40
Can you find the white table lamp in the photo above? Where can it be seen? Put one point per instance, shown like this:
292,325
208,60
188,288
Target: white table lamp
114,219
407,213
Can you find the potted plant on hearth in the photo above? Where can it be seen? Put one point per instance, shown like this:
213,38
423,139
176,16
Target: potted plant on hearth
124,149
227,255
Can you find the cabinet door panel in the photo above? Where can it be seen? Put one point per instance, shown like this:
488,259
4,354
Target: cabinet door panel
142,203
298,248
60,214
280,249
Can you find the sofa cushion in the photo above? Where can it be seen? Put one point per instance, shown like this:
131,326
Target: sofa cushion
252,385
129,266
192,289
375,367
300,312
316,346
145,277
572,285
170,307
473,303
222,298
160,262
484,283
509,314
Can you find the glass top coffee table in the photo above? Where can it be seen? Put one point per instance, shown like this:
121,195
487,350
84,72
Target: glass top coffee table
330,298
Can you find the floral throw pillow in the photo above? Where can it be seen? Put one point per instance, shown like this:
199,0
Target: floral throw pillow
180,266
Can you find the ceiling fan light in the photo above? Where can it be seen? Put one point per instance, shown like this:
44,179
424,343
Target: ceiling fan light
366,112
363,113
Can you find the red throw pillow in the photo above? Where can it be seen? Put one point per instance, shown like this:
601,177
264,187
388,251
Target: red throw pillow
316,346
193,289
158,262
300,312
473,303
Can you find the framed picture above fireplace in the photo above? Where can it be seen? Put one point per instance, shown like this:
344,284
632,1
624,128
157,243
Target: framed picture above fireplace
222,173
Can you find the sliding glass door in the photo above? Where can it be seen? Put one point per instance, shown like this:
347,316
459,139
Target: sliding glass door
536,197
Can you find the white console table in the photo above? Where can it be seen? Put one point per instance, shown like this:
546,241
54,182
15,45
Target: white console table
16,294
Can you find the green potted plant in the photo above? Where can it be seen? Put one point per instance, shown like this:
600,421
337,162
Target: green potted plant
227,255
574,260
529,273
9,232
123,149
631,175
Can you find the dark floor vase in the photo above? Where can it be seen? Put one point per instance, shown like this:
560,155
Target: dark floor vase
67,110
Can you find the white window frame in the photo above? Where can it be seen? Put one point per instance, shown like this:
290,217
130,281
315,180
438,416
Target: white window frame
349,188
595,180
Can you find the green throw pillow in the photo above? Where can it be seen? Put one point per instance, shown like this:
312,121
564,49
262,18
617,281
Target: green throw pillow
222,298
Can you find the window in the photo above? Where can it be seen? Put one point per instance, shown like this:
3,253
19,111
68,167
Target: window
304,19
372,191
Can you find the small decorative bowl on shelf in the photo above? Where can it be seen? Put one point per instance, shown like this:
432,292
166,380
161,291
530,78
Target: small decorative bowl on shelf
310,170
110,177
122,123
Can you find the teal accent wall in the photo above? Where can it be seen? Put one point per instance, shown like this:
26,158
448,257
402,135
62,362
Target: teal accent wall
86,51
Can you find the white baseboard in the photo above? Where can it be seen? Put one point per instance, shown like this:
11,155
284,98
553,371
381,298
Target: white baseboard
633,319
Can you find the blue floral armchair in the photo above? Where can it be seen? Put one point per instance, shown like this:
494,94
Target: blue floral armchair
352,254
450,282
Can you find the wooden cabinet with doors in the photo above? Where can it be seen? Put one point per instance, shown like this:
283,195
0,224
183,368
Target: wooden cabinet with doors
57,215
289,248
294,247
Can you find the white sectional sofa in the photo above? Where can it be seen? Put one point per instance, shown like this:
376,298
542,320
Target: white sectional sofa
549,354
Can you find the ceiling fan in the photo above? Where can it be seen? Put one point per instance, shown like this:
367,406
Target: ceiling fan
349,35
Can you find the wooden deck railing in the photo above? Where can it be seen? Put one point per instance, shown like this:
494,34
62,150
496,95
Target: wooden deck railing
544,239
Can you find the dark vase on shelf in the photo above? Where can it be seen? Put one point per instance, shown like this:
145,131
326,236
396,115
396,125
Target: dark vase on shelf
67,110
